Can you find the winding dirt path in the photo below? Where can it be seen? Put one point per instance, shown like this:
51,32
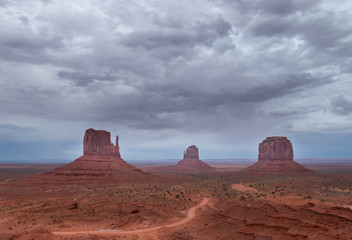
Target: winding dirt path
189,216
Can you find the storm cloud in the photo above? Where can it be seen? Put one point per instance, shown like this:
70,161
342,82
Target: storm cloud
167,74
341,105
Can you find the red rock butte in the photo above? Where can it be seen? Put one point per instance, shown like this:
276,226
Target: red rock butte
189,163
191,152
276,156
101,162
97,142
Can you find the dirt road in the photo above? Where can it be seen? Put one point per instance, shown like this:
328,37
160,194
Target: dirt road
189,216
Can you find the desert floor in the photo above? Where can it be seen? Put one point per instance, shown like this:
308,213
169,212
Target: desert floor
226,204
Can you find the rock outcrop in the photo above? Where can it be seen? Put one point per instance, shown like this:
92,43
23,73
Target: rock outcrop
275,148
189,163
191,152
101,162
97,142
276,156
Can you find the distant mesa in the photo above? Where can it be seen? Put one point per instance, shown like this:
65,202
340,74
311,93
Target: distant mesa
101,161
189,163
276,156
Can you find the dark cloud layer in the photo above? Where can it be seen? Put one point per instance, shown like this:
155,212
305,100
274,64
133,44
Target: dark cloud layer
341,105
82,79
167,72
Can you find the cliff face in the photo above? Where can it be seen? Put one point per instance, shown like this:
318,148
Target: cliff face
191,152
276,156
97,142
101,161
275,148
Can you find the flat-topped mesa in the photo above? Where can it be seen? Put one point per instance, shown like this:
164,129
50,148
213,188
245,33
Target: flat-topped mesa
275,148
191,152
98,142
276,156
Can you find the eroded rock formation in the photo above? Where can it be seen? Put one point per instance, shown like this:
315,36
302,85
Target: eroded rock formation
98,142
191,152
276,156
189,163
275,148
101,161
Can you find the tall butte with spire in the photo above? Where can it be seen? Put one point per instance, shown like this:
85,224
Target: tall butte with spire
101,161
276,156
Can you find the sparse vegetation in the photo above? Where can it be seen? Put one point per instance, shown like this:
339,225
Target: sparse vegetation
131,206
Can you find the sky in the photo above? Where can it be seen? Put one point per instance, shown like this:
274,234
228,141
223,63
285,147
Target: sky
163,75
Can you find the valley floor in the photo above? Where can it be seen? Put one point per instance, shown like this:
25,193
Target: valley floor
218,205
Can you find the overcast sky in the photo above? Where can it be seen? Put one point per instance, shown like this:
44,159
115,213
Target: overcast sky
163,75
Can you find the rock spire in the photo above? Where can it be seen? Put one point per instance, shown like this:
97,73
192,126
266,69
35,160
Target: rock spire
98,142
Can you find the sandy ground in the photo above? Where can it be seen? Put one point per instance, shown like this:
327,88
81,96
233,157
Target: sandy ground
287,199
219,167
238,206
191,213
243,188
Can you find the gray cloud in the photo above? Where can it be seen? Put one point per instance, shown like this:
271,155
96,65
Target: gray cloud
31,48
288,84
172,68
167,43
323,32
82,79
285,7
341,105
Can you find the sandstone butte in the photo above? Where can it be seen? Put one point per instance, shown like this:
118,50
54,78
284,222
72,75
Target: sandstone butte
189,163
101,161
276,156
